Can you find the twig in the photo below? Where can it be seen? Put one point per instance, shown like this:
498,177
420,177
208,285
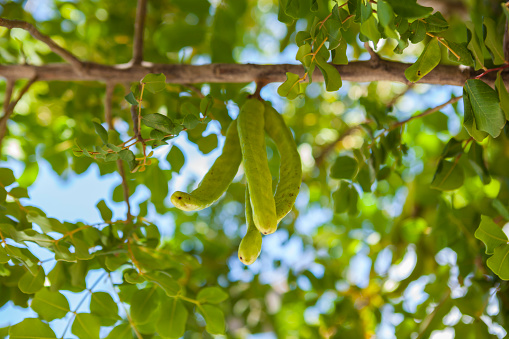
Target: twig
397,97
374,58
425,113
327,149
8,94
131,322
108,100
422,115
427,321
65,54
139,27
10,108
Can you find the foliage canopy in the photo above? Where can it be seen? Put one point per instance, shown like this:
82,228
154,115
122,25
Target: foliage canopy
398,229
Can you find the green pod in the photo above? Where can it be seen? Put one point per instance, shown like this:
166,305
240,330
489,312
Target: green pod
217,179
256,167
251,244
290,169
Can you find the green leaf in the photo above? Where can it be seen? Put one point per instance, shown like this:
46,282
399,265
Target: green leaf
429,59
304,55
333,29
86,326
409,9
436,23
370,29
501,208
461,51
173,319
292,8
503,95
449,176
176,159
131,99
188,108
30,283
104,307
162,123
154,82
6,177
122,331
143,303
290,88
19,192
50,305
206,104
499,262
339,54
213,295
474,45
31,328
207,144
106,213
344,167
493,40
190,121
214,319
3,256
126,155
165,281
485,107
490,234
330,74
385,13
469,121
302,37
418,29
476,160
101,131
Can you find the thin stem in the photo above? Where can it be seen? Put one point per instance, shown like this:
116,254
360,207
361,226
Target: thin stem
63,53
131,322
10,108
9,88
139,26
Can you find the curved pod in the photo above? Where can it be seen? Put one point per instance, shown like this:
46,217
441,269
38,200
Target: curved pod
256,167
290,169
217,179
251,244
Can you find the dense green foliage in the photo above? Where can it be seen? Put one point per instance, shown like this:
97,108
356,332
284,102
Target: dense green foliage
398,227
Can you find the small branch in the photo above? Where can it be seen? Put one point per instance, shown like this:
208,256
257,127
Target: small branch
374,58
108,101
422,115
131,322
139,27
10,108
427,321
395,99
330,147
425,113
259,86
9,87
65,54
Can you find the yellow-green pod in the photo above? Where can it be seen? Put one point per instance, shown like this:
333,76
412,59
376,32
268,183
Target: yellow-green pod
256,167
217,179
251,244
290,169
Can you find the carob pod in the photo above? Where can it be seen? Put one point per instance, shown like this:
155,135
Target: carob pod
217,179
251,244
290,169
256,167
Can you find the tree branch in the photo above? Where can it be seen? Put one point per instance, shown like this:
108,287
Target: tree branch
108,103
361,71
330,147
139,27
65,54
9,108
9,87
425,113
